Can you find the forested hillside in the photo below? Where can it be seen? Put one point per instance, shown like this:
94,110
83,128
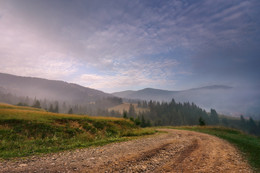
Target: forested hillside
179,114
98,107
50,90
227,100
154,114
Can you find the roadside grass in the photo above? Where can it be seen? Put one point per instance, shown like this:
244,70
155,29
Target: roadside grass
26,131
249,145
140,132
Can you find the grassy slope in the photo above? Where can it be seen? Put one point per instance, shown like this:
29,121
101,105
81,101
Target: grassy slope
27,131
247,144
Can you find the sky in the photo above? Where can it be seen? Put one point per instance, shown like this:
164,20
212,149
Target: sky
120,45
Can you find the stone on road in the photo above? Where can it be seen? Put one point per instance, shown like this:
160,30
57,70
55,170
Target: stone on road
174,151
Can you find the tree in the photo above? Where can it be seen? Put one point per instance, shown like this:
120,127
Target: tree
70,111
137,121
252,126
131,111
173,101
225,121
143,123
139,104
22,104
132,119
64,107
51,108
27,100
242,123
125,114
44,104
201,122
37,104
148,124
214,117
56,109
145,104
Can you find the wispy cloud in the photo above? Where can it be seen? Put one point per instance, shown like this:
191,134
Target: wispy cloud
129,43
131,75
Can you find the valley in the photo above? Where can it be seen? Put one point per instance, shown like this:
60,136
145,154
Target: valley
129,86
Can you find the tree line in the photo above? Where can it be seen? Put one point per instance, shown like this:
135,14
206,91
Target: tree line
181,114
157,114
97,108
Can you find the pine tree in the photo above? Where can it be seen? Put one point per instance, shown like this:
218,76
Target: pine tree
143,123
214,117
64,107
56,109
51,108
139,104
201,122
37,104
131,111
70,111
242,122
125,114
137,121
252,126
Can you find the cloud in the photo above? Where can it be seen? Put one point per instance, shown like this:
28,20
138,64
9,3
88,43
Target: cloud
120,82
24,52
137,42
131,75
51,66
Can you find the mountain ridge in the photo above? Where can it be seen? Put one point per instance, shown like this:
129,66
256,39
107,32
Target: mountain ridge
226,99
155,90
52,89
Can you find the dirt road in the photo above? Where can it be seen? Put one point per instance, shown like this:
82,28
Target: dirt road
175,151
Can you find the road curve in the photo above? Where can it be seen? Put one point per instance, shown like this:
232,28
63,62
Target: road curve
174,151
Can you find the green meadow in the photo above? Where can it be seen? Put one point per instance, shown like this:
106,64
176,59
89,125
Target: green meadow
26,131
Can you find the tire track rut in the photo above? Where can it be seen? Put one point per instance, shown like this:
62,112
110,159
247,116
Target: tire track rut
174,151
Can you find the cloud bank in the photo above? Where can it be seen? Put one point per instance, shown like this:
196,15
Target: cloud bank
119,45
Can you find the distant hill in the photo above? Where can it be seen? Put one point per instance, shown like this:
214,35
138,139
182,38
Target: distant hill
166,95
225,99
49,89
147,94
124,94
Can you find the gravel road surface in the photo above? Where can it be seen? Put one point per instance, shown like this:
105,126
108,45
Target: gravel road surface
174,151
